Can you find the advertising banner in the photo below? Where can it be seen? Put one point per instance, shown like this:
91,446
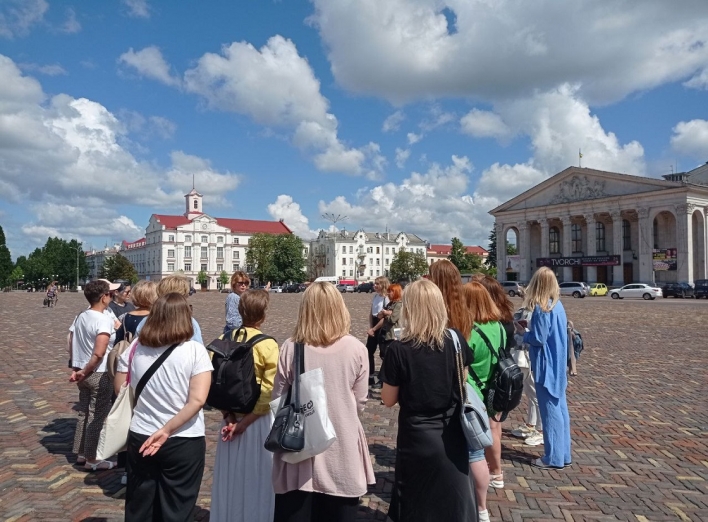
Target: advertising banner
664,259
513,263
556,262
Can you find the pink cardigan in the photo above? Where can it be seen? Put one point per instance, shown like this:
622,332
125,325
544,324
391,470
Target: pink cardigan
345,468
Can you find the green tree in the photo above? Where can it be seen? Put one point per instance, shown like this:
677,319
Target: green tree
202,278
6,264
16,275
407,266
260,256
224,279
457,255
118,267
276,257
511,249
492,257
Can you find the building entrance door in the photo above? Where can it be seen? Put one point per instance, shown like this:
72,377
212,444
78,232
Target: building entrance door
628,273
602,274
577,273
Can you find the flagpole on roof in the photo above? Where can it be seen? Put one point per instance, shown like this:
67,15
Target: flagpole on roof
580,158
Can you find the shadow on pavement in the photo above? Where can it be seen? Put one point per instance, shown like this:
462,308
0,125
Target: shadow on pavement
59,437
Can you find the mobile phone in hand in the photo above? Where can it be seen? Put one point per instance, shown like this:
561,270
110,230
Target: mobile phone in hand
523,322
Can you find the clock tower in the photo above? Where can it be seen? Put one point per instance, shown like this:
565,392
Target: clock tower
194,204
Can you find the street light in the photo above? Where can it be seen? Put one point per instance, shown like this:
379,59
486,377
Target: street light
78,249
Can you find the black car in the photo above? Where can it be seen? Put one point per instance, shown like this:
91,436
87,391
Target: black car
365,288
294,288
677,290
701,289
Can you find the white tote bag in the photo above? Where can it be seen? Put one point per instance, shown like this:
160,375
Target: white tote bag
114,434
319,432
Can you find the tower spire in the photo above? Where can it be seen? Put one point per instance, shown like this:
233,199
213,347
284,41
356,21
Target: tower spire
192,180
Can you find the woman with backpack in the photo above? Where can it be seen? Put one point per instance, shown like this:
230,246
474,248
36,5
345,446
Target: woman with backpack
326,487
432,479
242,487
486,329
547,337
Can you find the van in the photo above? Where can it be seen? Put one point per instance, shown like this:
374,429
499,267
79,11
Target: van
574,288
327,279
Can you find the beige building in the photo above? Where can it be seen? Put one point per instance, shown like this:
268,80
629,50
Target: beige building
595,226
438,252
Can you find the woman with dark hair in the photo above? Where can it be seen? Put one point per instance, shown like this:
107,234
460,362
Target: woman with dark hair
390,317
447,278
239,284
166,445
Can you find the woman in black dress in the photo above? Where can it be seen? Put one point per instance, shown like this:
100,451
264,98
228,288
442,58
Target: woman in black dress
432,481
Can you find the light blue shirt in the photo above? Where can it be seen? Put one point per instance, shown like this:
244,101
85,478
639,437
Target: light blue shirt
233,318
197,331
548,348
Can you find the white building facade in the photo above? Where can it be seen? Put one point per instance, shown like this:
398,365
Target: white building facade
195,242
96,258
359,255
596,226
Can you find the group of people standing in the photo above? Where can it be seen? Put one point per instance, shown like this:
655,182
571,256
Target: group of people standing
436,476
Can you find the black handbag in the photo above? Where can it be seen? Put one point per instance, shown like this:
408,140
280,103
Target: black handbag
288,431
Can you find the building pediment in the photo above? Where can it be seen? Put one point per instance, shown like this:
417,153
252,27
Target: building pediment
578,184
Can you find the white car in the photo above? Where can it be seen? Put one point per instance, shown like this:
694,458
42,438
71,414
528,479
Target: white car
276,289
637,290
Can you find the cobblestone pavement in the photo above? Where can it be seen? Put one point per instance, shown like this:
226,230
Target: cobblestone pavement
638,410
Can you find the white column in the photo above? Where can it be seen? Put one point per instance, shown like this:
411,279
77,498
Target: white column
567,247
524,250
646,245
684,226
545,246
591,246
617,248
501,252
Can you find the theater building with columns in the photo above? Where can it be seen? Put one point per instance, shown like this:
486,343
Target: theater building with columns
596,226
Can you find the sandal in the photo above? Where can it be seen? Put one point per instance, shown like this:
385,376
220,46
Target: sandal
80,460
100,465
497,481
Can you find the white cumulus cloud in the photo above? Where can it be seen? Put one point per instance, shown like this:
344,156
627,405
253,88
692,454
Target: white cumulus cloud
485,124
289,211
137,8
691,138
393,122
18,16
150,63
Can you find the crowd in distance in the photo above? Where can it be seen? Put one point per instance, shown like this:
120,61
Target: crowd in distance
437,477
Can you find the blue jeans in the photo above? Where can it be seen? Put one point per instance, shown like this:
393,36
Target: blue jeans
556,427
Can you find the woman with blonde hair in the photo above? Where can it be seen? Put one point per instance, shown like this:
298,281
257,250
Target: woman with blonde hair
432,479
487,328
239,284
373,335
547,337
448,279
166,444
326,487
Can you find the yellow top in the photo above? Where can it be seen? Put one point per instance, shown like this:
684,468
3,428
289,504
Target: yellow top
265,361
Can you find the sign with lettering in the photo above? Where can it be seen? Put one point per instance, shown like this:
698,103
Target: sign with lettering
556,262
664,259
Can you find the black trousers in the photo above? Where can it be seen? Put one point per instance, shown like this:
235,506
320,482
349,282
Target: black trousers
371,344
305,506
165,486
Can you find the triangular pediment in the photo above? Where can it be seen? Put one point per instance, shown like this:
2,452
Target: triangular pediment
576,184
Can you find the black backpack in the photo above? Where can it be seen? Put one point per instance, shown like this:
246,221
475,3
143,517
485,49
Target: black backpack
234,386
507,384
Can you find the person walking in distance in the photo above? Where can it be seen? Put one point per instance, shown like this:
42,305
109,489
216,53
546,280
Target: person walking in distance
373,337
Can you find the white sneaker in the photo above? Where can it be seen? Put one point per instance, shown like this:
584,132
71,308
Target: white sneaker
483,515
523,431
124,479
534,440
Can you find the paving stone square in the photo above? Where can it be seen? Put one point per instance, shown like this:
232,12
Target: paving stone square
639,417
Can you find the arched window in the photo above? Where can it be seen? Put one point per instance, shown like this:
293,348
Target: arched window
196,204
599,237
576,236
626,235
554,240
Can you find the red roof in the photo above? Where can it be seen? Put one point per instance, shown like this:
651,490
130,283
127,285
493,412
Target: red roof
137,243
246,226
446,249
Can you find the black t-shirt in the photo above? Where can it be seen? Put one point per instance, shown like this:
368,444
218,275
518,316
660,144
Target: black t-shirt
426,377
120,310
130,322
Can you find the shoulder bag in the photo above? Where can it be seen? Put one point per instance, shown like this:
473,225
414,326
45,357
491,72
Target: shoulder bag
114,434
473,414
288,430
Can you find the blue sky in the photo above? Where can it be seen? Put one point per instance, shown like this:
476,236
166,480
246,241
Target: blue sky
416,115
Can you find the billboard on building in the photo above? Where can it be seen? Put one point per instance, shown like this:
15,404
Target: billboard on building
513,263
664,259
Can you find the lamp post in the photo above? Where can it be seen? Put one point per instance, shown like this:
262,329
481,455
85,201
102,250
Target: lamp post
78,249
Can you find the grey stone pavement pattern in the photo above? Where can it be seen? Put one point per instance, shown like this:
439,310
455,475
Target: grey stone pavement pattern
638,410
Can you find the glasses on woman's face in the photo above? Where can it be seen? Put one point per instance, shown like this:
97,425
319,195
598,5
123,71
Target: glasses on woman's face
242,283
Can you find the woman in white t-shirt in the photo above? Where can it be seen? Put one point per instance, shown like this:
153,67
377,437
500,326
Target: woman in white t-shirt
373,338
166,444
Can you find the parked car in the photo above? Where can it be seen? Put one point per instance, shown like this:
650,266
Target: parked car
598,289
513,288
574,288
637,290
276,289
701,288
365,288
345,287
682,290
294,288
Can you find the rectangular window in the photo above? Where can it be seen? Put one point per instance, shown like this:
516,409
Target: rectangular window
344,250
220,252
188,267
626,236
205,239
387,250
377,261
188,251
393,250
377,273
351,249
554,240
170,267
188,237
576,236
171,252
600,237
351,273
235,241
204,267
344,273
236,254
219,268
371,273
351,260
234,267
171,238
371,261
204,253
387,262
219,239
344,260
377,250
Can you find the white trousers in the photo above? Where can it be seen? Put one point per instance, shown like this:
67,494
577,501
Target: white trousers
533,417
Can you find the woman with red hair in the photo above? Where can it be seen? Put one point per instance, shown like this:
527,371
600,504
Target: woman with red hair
447,278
